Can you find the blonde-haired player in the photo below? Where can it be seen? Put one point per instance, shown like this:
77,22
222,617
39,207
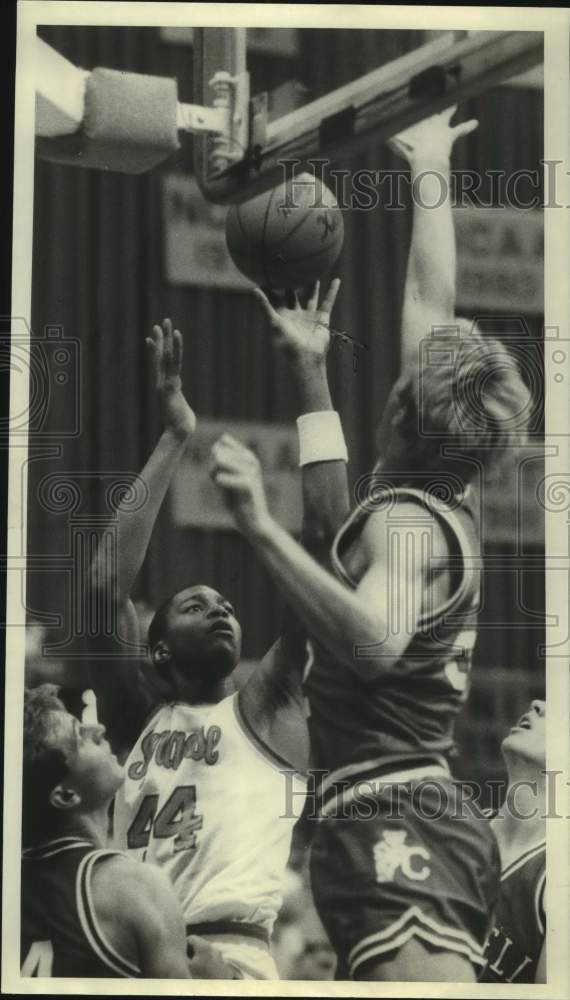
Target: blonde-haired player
392,619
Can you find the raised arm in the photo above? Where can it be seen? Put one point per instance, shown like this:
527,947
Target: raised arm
111,580
134,527
429,295
302,333
272,699
355,626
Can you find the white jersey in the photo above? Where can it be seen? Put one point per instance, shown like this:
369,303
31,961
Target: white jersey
203,800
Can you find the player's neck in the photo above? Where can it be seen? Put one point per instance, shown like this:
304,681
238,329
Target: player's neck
196,691
404,472
93,826
521,823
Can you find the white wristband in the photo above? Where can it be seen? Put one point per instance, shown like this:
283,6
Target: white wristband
321,438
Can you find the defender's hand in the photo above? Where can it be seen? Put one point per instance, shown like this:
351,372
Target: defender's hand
302,331
206,960
237,474
165,350
433,138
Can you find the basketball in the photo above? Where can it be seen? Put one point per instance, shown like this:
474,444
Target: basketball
287,237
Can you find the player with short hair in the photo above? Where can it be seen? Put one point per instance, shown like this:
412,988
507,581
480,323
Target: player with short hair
86,911
204,797
392,620
516,947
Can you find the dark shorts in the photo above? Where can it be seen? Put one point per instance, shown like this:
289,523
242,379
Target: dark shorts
420,861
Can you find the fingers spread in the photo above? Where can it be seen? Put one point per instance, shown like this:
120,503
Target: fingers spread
465,128
448,114
177,350
266,305
330,297
313,300
167,327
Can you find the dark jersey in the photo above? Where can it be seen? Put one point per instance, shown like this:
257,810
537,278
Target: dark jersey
519,925
60,933
411,709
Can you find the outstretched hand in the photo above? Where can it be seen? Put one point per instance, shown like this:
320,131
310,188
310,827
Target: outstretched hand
303,331
165,350
433,138
237,473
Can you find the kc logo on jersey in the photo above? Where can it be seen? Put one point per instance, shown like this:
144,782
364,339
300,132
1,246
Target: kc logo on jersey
392,853
170,747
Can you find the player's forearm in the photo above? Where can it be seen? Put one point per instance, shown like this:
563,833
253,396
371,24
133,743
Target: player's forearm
134,527
165,962
330,612
431,262
325,484
311,384
431,271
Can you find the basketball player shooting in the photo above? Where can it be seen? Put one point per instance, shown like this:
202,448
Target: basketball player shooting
203,798
516,948
392,619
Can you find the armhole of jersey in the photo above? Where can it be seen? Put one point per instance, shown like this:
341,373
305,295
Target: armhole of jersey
539,910
336,561
522,859
260,746
88,917
451,522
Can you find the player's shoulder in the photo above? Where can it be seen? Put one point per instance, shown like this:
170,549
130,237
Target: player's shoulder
528,865
128,883
524,881
407,515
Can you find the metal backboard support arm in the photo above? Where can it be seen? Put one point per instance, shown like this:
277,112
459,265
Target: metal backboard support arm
375,106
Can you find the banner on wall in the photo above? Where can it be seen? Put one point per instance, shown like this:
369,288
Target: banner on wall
500,260
195,501
272,41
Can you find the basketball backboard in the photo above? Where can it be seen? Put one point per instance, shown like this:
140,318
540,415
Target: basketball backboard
109,119
433,71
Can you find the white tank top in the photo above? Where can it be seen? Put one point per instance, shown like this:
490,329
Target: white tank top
203,800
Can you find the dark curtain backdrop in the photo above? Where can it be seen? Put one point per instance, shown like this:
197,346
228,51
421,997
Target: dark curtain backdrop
98,272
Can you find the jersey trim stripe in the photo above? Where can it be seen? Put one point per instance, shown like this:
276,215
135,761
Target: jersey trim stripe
522,860
415,922
347,795
416,930
259,745
437,510
52,847
382,767
539,910
89,922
